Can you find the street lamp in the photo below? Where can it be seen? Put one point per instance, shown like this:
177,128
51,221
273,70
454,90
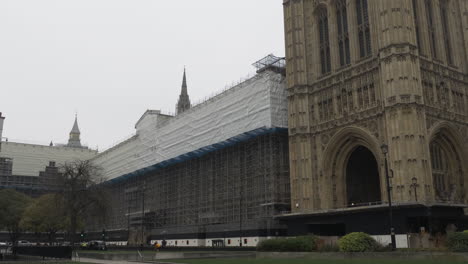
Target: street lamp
224,237
143,212
415,185
241,193
128,222
384,148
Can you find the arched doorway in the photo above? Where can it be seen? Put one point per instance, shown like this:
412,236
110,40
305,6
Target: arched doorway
362,178
447,172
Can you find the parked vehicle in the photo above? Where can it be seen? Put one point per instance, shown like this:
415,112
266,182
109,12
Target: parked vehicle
84,245
24,243
97,245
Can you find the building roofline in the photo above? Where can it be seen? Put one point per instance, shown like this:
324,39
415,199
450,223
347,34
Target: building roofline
198,153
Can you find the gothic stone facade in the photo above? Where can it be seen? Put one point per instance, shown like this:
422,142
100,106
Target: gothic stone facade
363,73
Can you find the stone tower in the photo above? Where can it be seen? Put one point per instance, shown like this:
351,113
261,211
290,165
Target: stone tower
363,74
74,140
183,103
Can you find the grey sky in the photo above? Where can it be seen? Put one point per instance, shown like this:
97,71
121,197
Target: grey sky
110,60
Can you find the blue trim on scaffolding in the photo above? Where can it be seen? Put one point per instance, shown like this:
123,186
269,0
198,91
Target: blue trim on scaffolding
199,152
19,187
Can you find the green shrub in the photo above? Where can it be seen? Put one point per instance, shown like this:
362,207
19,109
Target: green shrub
296,244
458,241
357,242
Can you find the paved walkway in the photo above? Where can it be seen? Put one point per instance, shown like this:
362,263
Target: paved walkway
103,261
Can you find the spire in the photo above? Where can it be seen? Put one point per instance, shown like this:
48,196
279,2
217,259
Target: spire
184,84
184,101
75,128
74,140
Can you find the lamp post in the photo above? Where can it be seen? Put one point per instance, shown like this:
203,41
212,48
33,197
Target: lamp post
384,148
241,194
415,185
128,222
143,212
224,237
240,215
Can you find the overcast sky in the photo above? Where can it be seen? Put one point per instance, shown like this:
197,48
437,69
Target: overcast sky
110,60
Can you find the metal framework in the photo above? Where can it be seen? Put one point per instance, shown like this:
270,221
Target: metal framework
233,191
277,64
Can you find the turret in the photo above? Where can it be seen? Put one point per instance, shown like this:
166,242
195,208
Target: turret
74,140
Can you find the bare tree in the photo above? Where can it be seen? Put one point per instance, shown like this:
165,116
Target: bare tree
79,183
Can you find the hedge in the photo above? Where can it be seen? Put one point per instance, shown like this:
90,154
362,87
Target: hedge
357,242
458,241
296,244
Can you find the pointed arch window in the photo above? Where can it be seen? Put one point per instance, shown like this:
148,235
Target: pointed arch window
446,30
343,34
439,167
431,28
447,171
362,13
416,24
324,39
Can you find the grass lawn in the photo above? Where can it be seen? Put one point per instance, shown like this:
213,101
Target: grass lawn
40,262
307,261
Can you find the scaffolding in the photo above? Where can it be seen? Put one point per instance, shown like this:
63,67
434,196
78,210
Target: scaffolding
271,62
233,191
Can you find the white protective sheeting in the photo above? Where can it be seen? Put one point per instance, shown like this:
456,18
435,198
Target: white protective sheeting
29,159
258,102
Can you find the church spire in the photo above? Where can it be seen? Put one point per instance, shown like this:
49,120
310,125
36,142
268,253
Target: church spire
74,140
184,101
184,84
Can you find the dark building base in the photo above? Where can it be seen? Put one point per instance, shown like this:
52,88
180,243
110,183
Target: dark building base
374,220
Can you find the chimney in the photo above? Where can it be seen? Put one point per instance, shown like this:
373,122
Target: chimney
1,129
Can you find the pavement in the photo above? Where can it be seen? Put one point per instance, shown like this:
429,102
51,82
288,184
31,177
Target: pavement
103,261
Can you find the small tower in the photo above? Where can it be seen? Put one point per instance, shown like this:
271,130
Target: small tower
74,140
1,129
184,101
1,125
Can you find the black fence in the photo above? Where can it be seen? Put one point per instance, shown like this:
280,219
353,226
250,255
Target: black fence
56,252
177,249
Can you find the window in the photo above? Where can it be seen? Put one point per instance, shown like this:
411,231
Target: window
416,24
431,28
343,35
446,32
6,166
362,13
324,44
439,167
